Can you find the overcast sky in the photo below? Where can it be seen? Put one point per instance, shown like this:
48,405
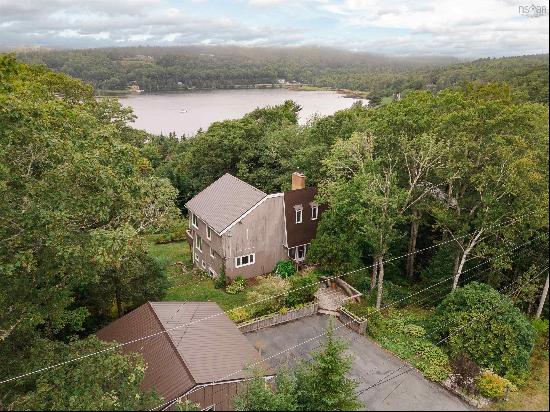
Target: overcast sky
464,28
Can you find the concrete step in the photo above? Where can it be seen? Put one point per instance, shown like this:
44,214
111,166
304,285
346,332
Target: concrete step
328,312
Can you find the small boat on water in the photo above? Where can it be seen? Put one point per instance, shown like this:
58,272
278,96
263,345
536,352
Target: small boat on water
183,111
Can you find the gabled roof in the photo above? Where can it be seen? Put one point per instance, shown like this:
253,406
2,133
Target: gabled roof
203,352
224,201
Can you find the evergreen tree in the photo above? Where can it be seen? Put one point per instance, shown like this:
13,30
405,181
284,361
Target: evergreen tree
322,384
260,395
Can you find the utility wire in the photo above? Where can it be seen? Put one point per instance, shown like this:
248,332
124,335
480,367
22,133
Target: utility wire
458,330
255,364
111,348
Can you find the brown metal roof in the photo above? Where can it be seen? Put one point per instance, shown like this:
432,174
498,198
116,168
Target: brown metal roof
224,201
203,352
166,373
212,348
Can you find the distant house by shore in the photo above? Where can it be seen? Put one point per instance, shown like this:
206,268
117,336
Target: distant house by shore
134,88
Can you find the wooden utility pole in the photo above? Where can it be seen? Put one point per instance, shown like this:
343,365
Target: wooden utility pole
542,299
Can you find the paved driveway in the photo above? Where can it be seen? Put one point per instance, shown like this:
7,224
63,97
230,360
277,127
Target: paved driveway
409,391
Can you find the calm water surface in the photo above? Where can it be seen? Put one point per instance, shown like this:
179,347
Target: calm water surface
186,112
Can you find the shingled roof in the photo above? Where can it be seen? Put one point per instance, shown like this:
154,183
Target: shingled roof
203,352
224,201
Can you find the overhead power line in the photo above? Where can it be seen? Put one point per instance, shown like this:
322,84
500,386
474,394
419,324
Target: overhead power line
255,364
114,347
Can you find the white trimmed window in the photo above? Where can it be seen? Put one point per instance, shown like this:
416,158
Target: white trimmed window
314,212
197,257
245,260
298,215
203,264
211,252
198,242
208,233
194,220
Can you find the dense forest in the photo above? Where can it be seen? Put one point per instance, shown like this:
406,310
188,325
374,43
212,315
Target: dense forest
173,68
463,171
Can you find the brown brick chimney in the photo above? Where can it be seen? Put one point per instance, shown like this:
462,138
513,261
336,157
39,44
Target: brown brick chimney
298,181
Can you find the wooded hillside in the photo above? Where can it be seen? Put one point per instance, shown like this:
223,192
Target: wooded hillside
173,68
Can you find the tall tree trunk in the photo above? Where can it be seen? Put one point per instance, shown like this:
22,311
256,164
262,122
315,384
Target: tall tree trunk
380,282
463,258
412,243
542,299
374,273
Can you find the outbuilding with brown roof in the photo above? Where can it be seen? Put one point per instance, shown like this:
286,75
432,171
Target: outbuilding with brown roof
195,347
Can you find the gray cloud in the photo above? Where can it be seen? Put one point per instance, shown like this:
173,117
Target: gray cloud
469,28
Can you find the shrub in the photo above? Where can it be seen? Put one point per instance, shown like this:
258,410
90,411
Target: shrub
541,331
398,332
237,286
414,330
430,360
466,372
221,281
239,315
360,310
493,386
269,293
302,289
285,268
500,338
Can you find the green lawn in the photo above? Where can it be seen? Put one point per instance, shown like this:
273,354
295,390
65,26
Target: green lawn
201,289
188,284
171,253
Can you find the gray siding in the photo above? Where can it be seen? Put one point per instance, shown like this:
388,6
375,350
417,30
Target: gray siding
262,231
215,244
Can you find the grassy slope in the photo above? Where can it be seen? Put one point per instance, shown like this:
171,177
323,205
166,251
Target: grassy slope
534,395
189,285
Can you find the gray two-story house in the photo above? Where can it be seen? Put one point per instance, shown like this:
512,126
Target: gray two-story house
237,227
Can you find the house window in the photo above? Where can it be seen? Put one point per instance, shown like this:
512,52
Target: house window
298,215
208,233
314,212
245,260
194,220
211,252
197,257
198,242
203,264
212,273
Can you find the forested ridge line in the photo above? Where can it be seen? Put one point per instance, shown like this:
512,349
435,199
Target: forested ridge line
181,68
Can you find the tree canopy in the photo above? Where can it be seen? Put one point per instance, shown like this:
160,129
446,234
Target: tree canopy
500,339
76,196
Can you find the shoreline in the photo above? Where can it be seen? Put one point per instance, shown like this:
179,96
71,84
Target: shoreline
347,93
